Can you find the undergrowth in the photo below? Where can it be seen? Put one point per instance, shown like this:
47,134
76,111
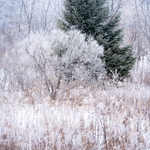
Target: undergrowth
81,118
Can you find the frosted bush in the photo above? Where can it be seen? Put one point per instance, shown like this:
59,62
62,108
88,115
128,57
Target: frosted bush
55,58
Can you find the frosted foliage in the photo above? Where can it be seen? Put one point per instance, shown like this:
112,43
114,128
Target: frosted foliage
35,45
77,58
65,55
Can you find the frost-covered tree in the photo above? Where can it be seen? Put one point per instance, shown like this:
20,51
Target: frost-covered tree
92,18
59,57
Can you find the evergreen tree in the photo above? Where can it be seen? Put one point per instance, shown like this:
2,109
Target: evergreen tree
92,18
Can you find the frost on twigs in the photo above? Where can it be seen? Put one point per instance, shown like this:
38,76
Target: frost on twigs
47,60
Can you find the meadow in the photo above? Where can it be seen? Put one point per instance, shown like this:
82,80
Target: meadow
110,117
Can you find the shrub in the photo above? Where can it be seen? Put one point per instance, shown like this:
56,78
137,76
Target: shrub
56,58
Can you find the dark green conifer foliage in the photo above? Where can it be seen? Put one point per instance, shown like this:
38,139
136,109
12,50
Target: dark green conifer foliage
91,17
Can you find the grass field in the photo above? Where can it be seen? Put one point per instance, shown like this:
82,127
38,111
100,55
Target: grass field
114,118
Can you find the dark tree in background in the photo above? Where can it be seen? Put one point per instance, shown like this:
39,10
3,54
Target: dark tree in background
91,17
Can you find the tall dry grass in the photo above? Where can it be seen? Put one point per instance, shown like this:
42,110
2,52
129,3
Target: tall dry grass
117,118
